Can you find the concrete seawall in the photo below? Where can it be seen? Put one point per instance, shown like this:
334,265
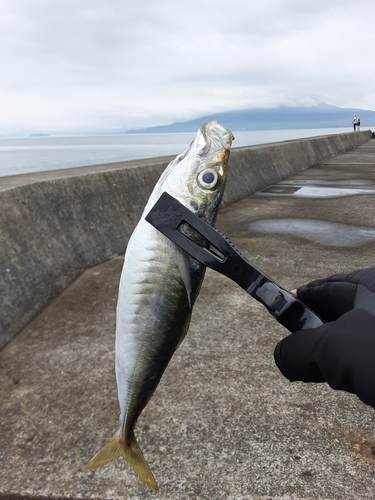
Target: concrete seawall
54,225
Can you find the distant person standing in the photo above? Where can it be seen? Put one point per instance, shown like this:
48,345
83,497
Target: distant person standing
356,123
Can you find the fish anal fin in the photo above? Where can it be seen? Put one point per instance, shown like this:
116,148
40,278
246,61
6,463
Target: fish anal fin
131,453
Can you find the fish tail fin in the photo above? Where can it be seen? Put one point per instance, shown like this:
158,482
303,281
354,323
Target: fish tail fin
134,456
131,453
111,451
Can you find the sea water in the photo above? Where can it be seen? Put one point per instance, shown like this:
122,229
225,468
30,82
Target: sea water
36,154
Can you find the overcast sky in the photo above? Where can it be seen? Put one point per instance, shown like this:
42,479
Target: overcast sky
74,64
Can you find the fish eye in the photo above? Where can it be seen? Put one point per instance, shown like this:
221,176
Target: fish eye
208,178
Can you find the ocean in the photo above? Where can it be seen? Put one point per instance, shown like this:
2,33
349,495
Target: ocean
37,154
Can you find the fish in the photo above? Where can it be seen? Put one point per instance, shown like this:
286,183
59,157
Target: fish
158,287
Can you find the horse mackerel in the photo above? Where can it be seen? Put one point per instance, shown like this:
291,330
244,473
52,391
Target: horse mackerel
158,287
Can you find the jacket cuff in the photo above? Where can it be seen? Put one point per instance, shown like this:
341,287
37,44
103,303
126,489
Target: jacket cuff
279,363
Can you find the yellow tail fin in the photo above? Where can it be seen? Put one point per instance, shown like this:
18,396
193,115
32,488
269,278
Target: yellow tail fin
132,454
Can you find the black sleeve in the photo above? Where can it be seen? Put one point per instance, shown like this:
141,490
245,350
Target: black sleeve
341,353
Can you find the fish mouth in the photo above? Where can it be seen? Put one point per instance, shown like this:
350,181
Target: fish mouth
212,138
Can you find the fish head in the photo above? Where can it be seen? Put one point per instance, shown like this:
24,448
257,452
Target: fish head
197,177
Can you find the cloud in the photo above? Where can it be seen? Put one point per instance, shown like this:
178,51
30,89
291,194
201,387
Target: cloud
89,64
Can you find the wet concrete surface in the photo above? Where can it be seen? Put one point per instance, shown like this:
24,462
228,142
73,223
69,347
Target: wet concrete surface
222,424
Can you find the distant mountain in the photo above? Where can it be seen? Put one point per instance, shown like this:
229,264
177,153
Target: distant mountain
320,116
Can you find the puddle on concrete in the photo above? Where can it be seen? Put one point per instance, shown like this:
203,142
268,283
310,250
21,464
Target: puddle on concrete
318,231
319,182
307,188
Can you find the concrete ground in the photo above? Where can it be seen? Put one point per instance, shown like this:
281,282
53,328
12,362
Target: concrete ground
222,424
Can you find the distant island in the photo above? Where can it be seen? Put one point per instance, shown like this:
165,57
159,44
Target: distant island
281,118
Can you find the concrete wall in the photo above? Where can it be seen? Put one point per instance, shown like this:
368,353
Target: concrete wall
256,167
54,225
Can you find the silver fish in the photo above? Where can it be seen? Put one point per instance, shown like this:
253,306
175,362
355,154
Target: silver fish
158,287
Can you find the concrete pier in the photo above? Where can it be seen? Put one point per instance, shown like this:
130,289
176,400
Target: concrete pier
222,424
54,225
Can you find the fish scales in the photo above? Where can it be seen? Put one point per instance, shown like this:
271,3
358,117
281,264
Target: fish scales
160,307
158,287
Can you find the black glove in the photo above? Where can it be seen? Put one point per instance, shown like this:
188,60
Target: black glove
340,293
342,351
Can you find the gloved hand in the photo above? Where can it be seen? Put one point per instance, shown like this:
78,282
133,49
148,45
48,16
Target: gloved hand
341,352
331,297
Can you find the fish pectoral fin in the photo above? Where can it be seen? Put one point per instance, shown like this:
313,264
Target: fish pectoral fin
131,453
183,265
